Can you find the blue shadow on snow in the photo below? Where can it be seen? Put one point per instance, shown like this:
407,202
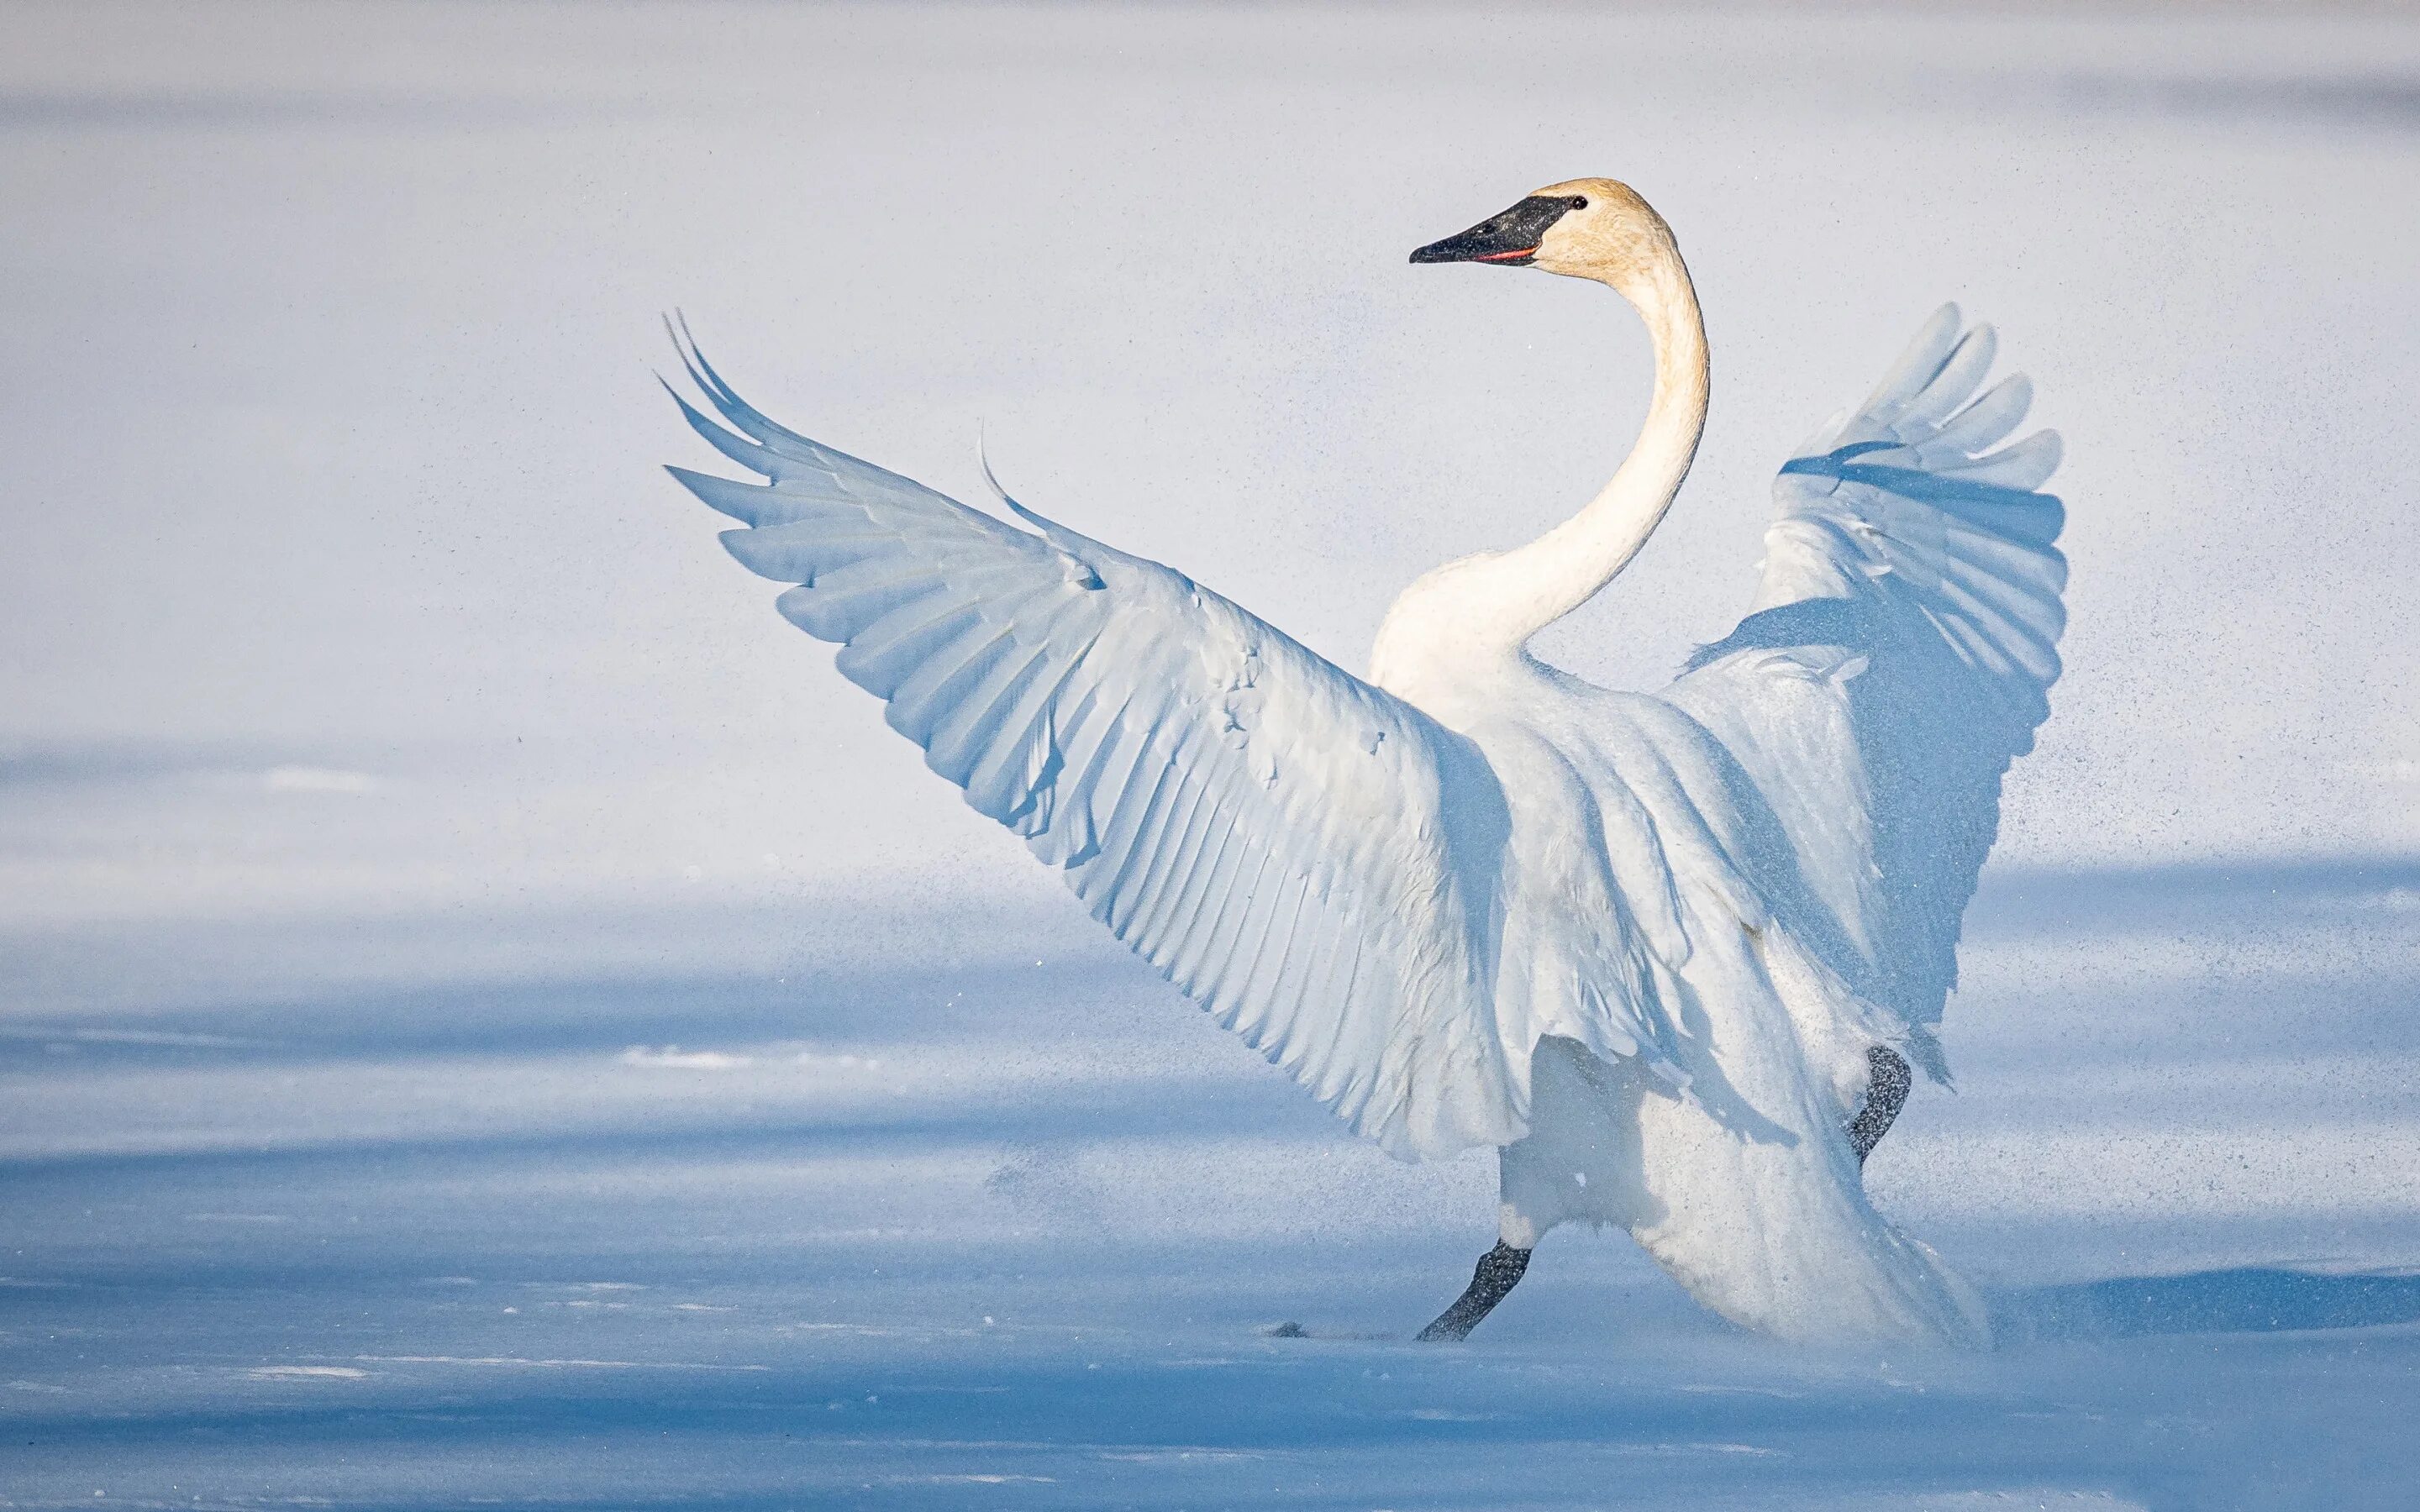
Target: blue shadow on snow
2252,1300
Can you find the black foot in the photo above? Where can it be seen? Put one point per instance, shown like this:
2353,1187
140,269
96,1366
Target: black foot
1499,1269
1887,1080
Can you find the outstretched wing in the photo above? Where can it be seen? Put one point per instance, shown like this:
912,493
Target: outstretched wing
1901,646
1306,857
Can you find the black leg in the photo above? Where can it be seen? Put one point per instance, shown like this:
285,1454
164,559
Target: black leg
1499,1269
1887,1080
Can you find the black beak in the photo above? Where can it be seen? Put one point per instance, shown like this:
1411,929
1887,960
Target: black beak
1510,239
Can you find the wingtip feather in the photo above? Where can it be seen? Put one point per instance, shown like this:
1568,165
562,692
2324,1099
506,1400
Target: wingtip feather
1935,343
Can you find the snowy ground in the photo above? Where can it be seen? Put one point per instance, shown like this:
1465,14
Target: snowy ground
487,1017
892,1213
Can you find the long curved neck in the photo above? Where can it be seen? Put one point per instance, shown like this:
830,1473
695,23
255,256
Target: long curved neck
1473,614
1556,573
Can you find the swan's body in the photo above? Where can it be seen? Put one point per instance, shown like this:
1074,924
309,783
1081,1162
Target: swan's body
1648,945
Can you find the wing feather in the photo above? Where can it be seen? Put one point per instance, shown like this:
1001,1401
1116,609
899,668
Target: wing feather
1902,644
1307,856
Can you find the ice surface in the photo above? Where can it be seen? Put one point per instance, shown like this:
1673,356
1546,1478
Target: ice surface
490,1017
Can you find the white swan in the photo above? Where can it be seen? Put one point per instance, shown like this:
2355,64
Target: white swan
1665,951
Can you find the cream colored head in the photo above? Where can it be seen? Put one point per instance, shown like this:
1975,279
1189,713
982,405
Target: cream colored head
1593,228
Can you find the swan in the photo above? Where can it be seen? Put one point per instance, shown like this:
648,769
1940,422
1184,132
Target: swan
1673,955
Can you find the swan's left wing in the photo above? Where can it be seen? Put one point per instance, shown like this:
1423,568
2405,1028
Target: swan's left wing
1272,833
1899,656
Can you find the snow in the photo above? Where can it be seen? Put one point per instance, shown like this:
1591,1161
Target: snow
403,1227
442,1063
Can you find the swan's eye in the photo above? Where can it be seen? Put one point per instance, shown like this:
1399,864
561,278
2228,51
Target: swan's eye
1579,202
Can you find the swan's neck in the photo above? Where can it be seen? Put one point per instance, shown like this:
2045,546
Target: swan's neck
1565,567
1487,608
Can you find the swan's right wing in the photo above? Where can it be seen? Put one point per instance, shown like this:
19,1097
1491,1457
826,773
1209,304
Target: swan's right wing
1307,857
1900,655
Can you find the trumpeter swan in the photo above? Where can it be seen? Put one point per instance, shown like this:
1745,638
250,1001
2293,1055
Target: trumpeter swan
1670,953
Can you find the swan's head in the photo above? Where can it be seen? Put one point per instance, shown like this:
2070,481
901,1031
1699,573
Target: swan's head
1595,228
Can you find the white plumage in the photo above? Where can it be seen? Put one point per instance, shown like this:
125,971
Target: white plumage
1642,943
